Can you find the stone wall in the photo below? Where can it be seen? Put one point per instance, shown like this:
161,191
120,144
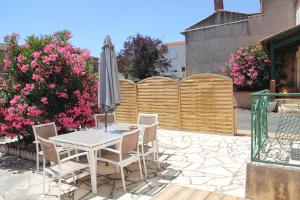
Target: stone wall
272,182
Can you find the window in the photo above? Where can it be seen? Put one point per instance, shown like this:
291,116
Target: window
172,53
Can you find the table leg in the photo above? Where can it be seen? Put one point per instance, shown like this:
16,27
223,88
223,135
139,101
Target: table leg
93,171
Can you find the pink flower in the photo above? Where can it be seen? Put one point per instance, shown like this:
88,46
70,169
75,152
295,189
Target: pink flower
15,100
254,75
46,60
38,70
48,48
62,95
6,63
6,37
4,85
2,100
24,68
36,77
21,58
52,86
57,69
17,86
250,83
44,100
78,70
68,34
15,35
34,111
245,53
65,80
52,57
86,53
34,63
36,55
28,88
42,81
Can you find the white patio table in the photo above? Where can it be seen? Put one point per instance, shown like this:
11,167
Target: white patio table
92,140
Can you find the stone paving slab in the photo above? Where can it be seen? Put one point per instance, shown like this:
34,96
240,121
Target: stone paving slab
203,161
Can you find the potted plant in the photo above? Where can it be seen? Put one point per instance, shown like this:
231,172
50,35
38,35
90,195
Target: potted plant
249,69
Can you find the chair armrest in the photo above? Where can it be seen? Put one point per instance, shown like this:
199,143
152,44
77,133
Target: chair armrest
111,150
36,142
68,150
74,156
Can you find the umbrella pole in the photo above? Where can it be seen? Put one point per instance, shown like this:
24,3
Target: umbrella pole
105,121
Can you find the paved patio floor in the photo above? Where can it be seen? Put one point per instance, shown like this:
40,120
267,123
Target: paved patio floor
205,161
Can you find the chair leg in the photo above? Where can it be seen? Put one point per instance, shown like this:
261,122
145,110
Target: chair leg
59,187
153,155
116,169
73,174
37,159
140,166
37,163
43,175
144,163
123,178
76,152
157,156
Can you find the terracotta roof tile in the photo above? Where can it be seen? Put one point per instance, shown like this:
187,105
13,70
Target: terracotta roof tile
174,43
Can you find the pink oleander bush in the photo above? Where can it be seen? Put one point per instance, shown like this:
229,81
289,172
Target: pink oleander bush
249,68
47,79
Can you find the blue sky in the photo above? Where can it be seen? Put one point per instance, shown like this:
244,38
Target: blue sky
90,20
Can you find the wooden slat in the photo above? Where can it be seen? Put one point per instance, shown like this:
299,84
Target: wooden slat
202,102
127,110
160,95
176,192
207,104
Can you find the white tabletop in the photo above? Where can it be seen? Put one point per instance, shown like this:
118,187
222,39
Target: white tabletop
95,136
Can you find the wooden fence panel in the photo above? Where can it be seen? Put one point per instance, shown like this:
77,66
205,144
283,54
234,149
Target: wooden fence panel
127,111
207,104
160,95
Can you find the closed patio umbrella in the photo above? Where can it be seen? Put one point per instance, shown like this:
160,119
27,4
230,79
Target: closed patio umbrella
109,91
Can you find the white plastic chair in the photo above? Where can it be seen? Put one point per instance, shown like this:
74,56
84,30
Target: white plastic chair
147,119
61,167
100,119
128,153
45,131
148,144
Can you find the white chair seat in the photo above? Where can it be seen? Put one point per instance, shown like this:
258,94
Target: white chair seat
60,150
67,167
111,156
147,149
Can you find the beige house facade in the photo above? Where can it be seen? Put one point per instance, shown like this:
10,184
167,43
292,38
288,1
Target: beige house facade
210,41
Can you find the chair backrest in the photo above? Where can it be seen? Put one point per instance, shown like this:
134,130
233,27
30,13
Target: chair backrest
45,131
100,118
129,141
147,119
49,149
150,133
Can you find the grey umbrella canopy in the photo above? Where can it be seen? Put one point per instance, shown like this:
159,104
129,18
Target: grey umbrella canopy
109,90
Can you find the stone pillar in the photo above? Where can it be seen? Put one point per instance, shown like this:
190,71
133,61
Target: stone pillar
272,86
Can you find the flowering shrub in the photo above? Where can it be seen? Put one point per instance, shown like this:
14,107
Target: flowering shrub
249,68
47,80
